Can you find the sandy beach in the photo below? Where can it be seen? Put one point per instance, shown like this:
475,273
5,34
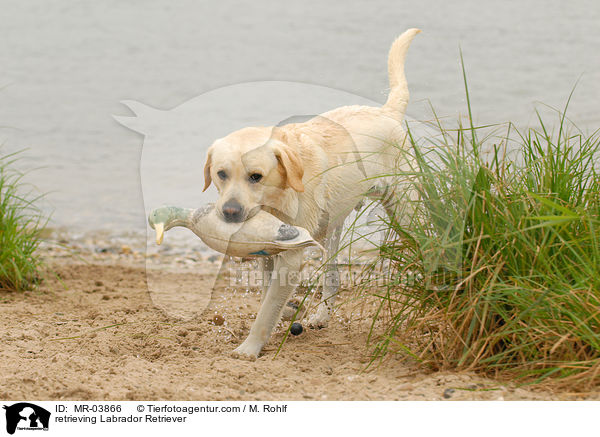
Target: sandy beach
91,331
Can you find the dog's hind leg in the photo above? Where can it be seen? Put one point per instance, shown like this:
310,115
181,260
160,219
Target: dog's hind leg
331,282
267,264
385,195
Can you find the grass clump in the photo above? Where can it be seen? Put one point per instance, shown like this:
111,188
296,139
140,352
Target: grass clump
497,269
21,225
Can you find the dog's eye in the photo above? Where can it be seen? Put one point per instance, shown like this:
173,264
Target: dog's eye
255,177
222,175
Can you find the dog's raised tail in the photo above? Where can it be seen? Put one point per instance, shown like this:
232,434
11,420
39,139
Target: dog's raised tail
399,95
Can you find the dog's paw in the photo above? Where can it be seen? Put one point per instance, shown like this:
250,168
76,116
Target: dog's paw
318,320
246,351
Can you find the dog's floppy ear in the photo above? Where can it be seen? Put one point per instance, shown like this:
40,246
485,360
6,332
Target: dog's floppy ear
291,163
207,178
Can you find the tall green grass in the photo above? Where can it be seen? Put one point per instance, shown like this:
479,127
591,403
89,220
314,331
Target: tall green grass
21,224
497,268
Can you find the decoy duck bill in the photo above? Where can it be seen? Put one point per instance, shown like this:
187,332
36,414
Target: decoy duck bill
160,232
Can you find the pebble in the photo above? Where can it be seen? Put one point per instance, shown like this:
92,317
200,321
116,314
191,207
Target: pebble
296,328
218,319
448,393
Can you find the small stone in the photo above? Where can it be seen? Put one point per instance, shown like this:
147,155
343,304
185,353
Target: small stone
218,320
448,393
296,328
98,283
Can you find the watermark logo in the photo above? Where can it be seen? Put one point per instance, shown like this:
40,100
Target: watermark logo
24,416
175,161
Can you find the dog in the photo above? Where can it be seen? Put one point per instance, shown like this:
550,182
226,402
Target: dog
310,174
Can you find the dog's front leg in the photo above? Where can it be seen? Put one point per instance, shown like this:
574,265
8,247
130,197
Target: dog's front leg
283,283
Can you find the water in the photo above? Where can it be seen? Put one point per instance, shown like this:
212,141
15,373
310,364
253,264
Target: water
65,66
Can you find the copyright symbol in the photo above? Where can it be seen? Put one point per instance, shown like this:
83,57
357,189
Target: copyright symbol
140,408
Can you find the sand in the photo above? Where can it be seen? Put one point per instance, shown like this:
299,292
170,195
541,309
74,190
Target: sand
92,332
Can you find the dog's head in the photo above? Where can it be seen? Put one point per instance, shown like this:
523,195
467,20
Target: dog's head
250,168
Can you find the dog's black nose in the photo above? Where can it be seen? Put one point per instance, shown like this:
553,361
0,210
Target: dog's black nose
232,211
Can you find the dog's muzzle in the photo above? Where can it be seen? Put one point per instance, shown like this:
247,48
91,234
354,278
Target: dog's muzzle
233,212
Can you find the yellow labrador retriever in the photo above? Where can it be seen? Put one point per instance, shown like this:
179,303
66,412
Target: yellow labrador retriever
312,175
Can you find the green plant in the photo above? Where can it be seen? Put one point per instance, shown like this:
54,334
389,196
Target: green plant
21,224
498,268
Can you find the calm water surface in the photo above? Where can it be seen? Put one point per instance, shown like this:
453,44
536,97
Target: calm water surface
65,66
